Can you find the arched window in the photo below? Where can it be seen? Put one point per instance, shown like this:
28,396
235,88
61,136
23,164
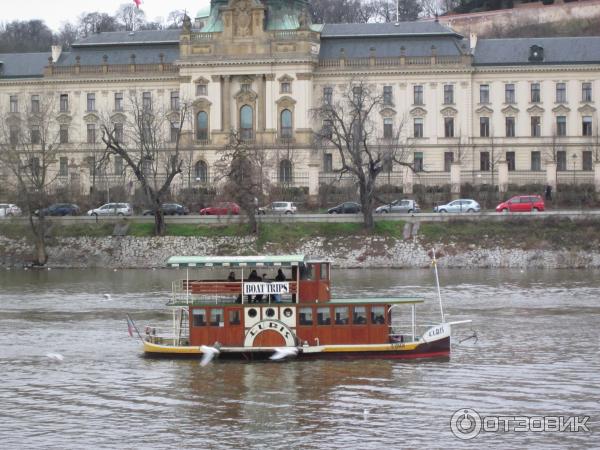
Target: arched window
201,172
286,123
285,171
246,122
202,126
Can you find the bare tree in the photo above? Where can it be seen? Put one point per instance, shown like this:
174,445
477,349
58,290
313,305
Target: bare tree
132,17
350,127
150,148
29,145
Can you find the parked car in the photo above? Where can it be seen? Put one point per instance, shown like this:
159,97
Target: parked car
399,206
522,203
279,208
170,209
458,206
345,208
112,209
221,209
9,210
59,209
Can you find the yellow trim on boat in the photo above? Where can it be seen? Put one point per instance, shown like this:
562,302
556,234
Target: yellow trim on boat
156,348
370,348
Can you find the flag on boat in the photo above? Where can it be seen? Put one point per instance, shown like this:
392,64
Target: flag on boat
129,327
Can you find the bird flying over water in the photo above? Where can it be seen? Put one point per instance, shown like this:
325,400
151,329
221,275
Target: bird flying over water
284,352
208,353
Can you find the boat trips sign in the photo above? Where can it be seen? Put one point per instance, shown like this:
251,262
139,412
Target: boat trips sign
266,288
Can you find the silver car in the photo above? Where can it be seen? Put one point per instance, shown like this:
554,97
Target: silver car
399,206
458,206
112,209
279,208
9,210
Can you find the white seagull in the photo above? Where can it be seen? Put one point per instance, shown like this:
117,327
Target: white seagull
55,357
284,352
107,297
208,353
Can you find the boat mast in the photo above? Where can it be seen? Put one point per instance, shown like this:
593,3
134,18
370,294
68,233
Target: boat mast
437,282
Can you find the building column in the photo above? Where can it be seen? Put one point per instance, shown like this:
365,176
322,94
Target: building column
313,183
455,181
262,103
407,180
551,174
502,177
226,104
597,176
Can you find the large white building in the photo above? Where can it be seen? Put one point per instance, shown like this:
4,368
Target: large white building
517,111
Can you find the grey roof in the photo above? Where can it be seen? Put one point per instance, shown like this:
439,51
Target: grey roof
147,37
351,30
23,64
359,47
120,55
559,50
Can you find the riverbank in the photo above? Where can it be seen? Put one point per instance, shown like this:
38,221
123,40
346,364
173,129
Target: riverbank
517,243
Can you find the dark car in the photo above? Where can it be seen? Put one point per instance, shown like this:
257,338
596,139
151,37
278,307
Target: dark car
60,209
170,209
221,209
345,208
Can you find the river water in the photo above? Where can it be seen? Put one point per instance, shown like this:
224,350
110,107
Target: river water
537,353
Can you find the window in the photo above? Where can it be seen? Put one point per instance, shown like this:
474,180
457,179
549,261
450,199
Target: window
286,123
201,172
418,161
509,93
285,171
586,92
341,315
286,87
147,101
174,134
35,103
448,160
378,315
246,122
536,128
359,315
510,126
216,317
202,126
484,161
13,136
64,103
388,95
305,316
510,160
14,104
418,127
327,162
418,95
175,101
91,133
118,165
388,130
199,317
91,102
118,101
535,93
357,94
449,127
484,93
327,95
586,160
201,89
484,126
561,125
536,161
323,316
119,132
327,131
448,94
63,166
34,164
245,87
35,134
388,164
561,160
234,317
586,126
561,92
64,134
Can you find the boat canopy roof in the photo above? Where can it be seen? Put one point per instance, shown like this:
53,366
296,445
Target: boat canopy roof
235,261
377,300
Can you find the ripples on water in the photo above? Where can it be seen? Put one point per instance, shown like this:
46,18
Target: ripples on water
538,353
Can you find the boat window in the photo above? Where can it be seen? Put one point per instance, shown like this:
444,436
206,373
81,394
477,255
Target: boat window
324,272
305,316
270,313
234,317
252,313
378,315
306,272
359,317
216,317
323,316
199,315
341,315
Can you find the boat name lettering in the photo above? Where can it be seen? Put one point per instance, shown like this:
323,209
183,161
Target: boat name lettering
270,325
436,331
266,288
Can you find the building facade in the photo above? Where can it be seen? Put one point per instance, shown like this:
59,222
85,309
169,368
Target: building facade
499,111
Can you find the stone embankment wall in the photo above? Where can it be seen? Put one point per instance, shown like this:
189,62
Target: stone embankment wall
346,252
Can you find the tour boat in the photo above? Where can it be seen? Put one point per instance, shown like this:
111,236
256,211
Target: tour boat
280,307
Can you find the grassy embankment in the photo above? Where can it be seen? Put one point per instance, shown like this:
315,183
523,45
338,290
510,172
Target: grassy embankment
549,233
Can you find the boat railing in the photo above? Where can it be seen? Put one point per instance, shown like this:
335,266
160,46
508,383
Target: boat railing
163,335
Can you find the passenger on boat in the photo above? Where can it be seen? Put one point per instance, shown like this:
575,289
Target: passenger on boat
253,278
280,277
231,277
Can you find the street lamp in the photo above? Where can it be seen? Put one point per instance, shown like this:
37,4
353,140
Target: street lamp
574,158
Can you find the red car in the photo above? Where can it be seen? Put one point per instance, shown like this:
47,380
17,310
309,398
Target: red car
221,209
522,203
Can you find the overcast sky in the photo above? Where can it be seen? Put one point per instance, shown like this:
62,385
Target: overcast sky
56,12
